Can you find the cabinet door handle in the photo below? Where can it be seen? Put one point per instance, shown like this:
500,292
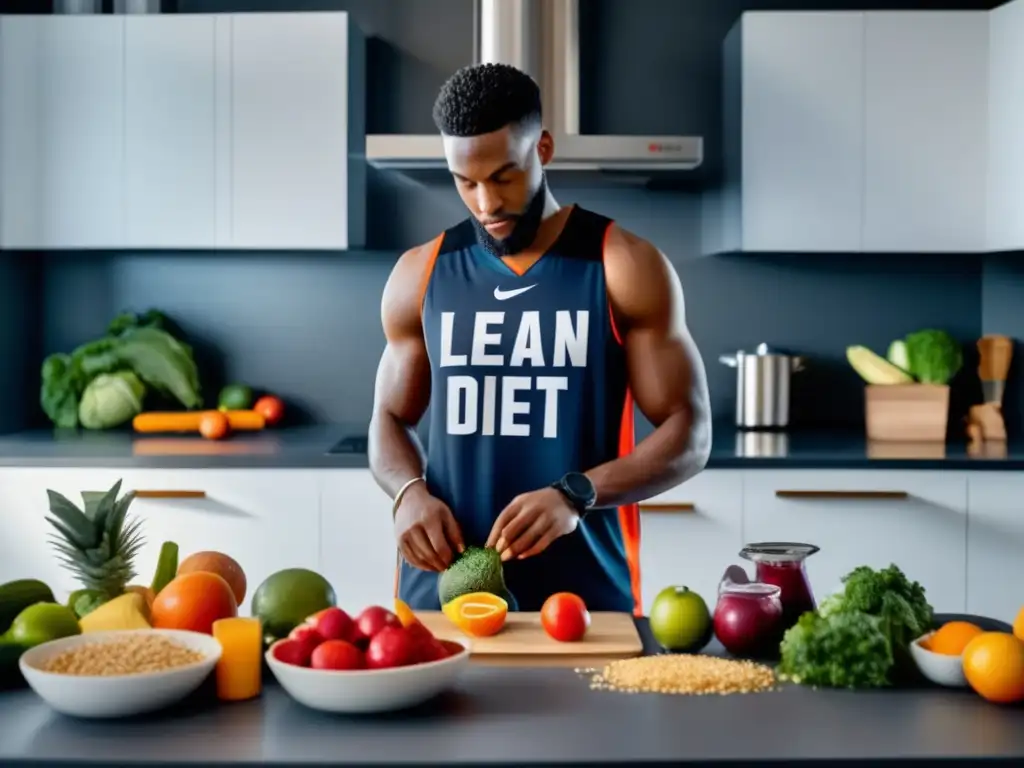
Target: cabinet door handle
170,494
842,494
668,506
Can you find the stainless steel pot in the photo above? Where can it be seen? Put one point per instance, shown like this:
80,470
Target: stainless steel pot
762,386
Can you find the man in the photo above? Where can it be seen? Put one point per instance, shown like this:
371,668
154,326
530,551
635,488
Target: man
530,330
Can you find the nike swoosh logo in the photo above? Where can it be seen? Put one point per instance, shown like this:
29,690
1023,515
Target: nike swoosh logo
501,295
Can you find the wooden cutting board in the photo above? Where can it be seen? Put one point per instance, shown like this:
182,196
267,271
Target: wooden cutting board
523,642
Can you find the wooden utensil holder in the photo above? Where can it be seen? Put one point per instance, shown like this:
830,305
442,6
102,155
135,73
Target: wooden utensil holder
906,412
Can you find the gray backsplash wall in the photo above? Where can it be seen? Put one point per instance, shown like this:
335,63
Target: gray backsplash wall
307,325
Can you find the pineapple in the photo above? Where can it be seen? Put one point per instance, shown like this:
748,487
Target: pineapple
97,544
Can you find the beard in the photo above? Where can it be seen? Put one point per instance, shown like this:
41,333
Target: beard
524,232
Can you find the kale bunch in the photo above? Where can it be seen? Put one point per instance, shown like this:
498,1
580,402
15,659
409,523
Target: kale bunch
859,637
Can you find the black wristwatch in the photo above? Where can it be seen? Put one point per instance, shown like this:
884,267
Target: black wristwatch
578,489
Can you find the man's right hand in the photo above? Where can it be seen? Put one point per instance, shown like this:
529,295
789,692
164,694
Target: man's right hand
427,534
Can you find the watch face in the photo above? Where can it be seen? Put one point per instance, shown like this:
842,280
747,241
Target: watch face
579,485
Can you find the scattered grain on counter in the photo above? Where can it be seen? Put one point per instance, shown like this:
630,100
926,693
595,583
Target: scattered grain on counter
683,674
129,655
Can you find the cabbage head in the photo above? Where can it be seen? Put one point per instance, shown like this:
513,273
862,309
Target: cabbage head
110,400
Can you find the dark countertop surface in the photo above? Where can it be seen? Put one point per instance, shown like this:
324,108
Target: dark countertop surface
515,716
307,447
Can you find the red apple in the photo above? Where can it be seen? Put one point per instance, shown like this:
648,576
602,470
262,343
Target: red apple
337,654
391,647
306,635
426,646
334,624
292,652
373,619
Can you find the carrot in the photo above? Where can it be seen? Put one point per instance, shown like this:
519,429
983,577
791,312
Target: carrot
189,421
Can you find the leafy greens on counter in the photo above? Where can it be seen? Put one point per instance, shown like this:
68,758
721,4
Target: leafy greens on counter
860,636
139,353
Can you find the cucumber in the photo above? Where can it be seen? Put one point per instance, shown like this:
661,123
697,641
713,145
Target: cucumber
166,566
16,596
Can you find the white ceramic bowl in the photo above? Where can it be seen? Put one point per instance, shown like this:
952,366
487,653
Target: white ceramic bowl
122,695
367,691
940,668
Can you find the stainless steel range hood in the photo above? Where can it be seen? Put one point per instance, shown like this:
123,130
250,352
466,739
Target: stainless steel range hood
541,37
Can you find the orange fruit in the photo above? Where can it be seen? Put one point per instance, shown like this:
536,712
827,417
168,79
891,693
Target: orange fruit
194,601
994,667
953,637
1018,625
219,563
404,613
479,614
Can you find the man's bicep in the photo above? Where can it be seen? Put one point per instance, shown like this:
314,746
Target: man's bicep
403,380
666,373
403,376
661,365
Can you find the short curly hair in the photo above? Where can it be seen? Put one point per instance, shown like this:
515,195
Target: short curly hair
483,98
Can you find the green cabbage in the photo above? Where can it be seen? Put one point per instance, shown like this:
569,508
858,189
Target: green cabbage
110,400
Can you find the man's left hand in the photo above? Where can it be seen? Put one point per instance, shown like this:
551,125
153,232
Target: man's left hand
531,523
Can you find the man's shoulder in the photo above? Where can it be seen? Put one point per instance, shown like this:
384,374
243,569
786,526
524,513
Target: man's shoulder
627,250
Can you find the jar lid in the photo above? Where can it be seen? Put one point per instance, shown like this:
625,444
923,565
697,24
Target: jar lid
778,552
751,589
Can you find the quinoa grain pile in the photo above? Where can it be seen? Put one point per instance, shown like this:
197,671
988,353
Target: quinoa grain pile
693,675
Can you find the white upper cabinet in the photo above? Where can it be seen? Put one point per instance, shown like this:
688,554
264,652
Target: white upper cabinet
794,130
926,122
293,131
62,131
1006,127
182,131
170,131
848,131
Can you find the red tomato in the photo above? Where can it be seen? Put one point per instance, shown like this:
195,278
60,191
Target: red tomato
565,617
270,408
214,425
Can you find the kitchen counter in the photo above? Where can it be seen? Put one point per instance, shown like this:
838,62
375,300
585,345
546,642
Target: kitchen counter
295,447
515,716
307,447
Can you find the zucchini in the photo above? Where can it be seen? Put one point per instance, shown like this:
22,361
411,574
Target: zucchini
16,596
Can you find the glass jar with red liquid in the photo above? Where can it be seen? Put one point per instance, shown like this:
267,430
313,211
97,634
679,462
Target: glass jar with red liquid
748,617
782,564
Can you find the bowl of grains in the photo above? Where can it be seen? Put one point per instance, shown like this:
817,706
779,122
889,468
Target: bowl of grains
119,673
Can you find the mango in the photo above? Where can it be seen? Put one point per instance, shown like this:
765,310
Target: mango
125,612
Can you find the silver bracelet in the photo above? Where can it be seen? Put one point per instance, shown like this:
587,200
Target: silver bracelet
401,493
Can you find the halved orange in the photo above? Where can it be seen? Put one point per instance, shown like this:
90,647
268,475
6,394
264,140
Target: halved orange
479,614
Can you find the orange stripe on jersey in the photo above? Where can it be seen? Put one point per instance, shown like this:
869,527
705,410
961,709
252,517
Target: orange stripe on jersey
611,312
398,570
429,271
629,514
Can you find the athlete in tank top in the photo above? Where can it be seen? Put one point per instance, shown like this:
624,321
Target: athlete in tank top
529,330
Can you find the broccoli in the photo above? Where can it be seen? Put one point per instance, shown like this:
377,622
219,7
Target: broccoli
477,569
932,356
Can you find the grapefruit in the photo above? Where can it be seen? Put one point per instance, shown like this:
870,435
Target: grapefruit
219,563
